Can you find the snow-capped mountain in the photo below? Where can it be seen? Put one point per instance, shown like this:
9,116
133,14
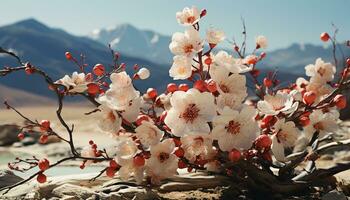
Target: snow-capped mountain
152,46
132,41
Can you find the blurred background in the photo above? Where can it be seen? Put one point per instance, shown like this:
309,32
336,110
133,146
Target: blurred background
41,32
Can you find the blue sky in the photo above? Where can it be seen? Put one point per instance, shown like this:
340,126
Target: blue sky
282,21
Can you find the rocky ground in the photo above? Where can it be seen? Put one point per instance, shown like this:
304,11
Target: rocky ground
75,184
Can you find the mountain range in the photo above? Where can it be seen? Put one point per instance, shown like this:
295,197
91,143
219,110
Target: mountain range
45,46
153,46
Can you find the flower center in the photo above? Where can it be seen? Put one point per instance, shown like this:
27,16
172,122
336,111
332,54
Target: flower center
111,116
319,126
321,71
278,107
162,157
191,113
188,48
281,136
181,70
233,127
191,19
198,141
224,88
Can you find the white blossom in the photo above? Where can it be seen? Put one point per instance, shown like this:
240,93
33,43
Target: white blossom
188,16
285,135
320,71
223,59
198,145
148,133
324,123
143,73
214,36
261,41
275,104
181,68
109,120
77,83
190,112
235,129
232,88
186,43
162,163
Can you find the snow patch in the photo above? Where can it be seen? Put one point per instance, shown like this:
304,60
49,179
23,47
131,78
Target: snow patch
155,39
115,42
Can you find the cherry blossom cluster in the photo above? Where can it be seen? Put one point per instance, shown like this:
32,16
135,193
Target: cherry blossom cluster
208,121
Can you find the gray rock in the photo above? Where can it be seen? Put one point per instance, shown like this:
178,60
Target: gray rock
7,178
28,141
8,134
138,193
334,195
73,190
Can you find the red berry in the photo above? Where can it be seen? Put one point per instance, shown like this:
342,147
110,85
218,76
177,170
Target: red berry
181,164
309,97
324,37
263,142
189,169
200,85
304,120
113,164
93,88
99,69
89,77
234,155
91,142
184,87
29,70
268,120
236,48
211,85
152,93
262,55
139,161
45,125
43,138
340,101
267,156
203,13
172,87
255,72
177,142
68,56
20,136
267,82
348,61
208,61
122,66
41,178
136,67
43,164
251,60
179,152
110,172
142,118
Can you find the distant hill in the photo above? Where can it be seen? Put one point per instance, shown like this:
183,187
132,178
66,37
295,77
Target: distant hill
19,97
45,47
153,46
130,40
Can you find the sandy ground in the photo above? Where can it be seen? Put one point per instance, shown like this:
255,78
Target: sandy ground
85,127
